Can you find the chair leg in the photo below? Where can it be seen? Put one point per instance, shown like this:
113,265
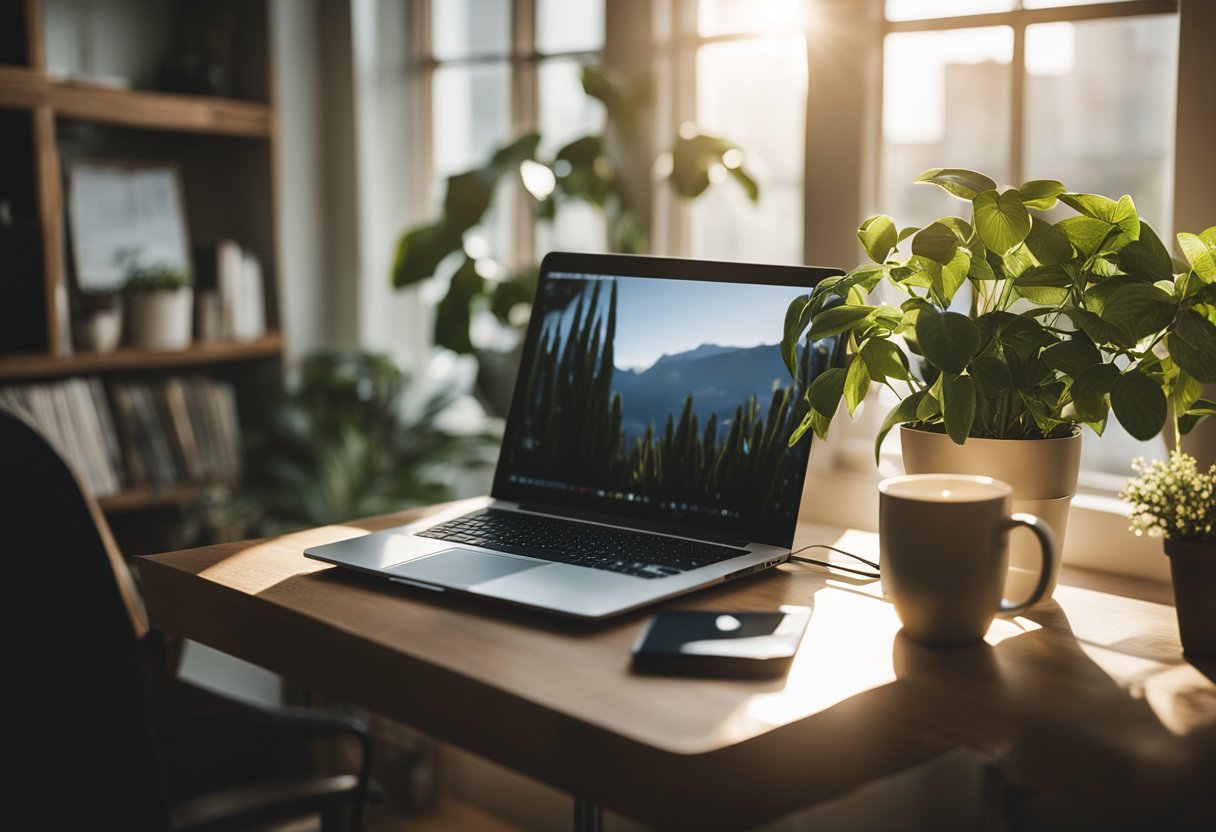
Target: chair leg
588,817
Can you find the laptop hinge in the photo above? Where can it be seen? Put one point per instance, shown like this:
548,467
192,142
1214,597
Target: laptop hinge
634,523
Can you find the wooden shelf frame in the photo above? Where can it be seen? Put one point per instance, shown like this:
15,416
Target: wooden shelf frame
42,365
28,89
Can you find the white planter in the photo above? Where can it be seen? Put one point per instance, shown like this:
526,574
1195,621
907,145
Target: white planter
160,320
100,331
1043,473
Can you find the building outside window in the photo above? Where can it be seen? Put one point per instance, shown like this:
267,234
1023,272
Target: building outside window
1083,92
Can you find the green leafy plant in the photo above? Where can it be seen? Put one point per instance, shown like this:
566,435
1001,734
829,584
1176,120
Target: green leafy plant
155,278
601,169
1173,499
1069,320
341,444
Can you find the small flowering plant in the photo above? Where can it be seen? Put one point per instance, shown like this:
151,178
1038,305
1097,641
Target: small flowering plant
1173,499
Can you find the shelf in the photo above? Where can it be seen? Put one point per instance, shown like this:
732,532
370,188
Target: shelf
39,365
26,89
139,499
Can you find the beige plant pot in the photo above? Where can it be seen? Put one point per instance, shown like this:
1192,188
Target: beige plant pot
161,320
1043,473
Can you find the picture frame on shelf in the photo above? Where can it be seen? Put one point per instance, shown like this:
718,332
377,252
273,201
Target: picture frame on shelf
123,213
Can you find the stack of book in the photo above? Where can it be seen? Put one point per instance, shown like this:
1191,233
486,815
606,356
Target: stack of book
231,292
74,418
156,435
177,431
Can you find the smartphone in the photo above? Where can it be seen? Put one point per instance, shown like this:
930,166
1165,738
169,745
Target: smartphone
724,644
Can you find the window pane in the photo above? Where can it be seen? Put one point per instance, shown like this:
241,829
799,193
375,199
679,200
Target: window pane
922,9
773,17
464,28
769,129
471,118
1100,100
569,25
946,102
567,113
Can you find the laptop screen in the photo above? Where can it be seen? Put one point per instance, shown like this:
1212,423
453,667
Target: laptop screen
662,398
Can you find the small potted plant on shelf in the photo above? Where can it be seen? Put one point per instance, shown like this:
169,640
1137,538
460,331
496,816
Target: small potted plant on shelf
97,319
160,305
1175,500
1009,332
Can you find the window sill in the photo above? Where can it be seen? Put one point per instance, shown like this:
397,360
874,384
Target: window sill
842,490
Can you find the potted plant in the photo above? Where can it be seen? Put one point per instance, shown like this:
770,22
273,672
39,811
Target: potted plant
160,304
1064,323
606,170
1175,500
98,319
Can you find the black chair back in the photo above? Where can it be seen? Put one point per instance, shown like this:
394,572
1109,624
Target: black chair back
83,734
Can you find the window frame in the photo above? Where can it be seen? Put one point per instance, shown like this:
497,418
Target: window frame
523,60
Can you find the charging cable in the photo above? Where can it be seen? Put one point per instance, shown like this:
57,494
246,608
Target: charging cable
875,574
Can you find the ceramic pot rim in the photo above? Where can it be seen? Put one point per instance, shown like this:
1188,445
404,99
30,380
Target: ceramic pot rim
1076,434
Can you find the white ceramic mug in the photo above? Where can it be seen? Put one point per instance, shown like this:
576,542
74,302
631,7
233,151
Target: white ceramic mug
944,553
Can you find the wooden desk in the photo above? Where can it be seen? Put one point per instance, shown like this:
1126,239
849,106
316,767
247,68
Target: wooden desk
1087,693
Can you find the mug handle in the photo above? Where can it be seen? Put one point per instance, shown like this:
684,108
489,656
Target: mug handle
1047,540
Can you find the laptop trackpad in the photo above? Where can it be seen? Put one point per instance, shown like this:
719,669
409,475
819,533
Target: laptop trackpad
460,568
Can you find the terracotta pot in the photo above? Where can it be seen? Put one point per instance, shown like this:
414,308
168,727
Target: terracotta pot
1043,473
1193,567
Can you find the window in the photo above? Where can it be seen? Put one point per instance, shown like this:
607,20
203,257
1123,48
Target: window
721,54
1079,91
492,69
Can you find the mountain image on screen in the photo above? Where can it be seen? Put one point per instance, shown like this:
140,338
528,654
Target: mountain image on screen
707,426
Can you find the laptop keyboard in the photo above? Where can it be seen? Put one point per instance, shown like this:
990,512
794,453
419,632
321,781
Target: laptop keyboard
581,544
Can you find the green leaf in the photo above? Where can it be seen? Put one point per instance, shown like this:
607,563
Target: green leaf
1071,357
980,270
1001,219
884,359
1098,330
1095,381
420,251
1024,335
452,315
1122,213
1139,404
929,408
1186,391
878,237
1040,194
991,371
1202,407
1140,308
1085,233
958,406
937,242
826,390
903,412
837,319
1198,255
1146,258
954,275
1192,345
1048,243
856,383
949,340
797,316
965,184
1044,285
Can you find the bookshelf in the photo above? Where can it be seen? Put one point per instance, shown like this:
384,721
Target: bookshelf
81,82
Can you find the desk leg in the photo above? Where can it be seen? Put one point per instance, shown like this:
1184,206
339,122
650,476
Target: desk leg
588,817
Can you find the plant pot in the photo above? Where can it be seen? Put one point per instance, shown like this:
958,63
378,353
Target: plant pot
98,323
1193,568
160,320
1042,472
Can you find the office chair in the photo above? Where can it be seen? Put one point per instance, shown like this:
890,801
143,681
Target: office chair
94,750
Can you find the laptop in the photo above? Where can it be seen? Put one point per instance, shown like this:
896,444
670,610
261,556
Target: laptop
645,454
